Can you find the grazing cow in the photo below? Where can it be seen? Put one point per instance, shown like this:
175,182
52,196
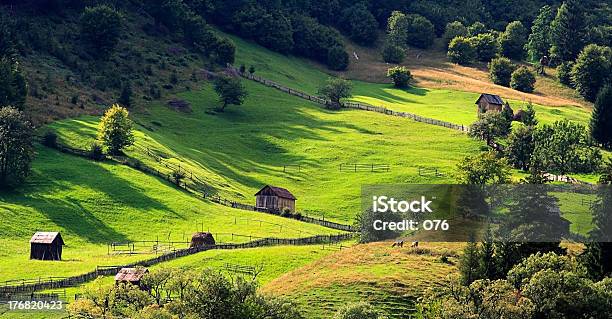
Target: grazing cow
398,244
415,244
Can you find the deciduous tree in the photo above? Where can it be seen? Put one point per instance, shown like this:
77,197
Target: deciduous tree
592,70
336,89
115,129
230,91
512,41
16,150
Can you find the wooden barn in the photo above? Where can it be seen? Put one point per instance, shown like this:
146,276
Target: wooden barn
201,239
489,102
46,246
131,275
275,198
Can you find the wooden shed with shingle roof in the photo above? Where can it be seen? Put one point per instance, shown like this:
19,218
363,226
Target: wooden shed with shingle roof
275,199
489,102
131,275
46,246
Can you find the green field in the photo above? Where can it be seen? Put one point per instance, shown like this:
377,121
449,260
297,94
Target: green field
245,148
446,105
92,204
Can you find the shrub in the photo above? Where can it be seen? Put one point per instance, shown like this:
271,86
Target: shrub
125,98
50,139
500,71
177,176
252,70
286,212
359,310
453,30
564,73
95,152
337,59
461,51
393,53
486,46
224,52
100,28
523,80
421,33
400,75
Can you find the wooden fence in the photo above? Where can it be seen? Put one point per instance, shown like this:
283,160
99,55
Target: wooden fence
25,286
351,105
429,171
365,167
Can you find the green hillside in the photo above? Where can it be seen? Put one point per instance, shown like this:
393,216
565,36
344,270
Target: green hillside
446,105
239,151
93,204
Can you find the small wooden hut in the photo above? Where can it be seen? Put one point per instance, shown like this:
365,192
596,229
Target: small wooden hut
131,275
202,239
489,102
46,246
275,198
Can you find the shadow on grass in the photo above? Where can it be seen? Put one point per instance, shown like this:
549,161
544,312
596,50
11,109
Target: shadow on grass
76,210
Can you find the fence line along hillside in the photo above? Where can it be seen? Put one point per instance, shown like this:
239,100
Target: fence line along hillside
350,105
31,285
198,187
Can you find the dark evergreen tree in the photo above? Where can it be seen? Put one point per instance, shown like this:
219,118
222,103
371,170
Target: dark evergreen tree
13,85
488,266
469,264
568,31
601,117
539,42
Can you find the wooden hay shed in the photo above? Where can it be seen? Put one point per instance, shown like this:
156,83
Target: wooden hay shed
202,239
489,102
275,198
46,246
131,275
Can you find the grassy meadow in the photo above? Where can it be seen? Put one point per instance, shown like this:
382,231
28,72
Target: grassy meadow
453,106
245,148
93,204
